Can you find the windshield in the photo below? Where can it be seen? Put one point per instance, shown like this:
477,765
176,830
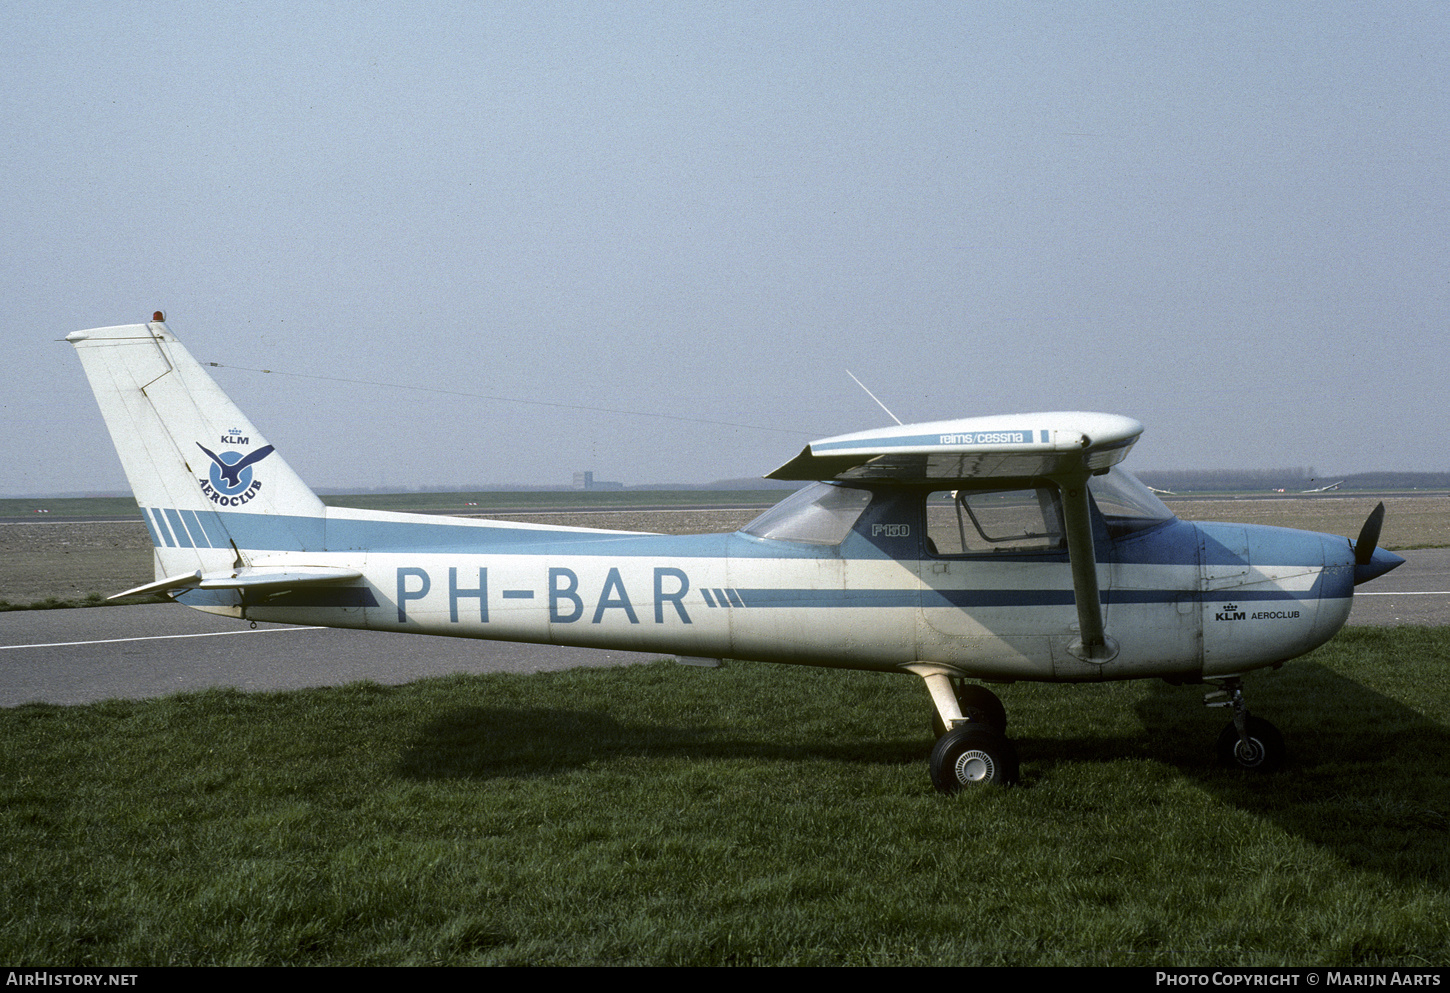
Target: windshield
820,514
1126,504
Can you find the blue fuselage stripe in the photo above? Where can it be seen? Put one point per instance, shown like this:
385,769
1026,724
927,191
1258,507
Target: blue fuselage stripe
156,540
178,529
1175,544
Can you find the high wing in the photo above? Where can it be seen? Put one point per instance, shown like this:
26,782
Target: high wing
1065,446
1018,446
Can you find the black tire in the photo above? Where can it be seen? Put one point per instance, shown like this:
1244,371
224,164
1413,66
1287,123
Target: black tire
972,756
979,705
1264,754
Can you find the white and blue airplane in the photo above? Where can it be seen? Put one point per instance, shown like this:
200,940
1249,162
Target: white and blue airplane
991,549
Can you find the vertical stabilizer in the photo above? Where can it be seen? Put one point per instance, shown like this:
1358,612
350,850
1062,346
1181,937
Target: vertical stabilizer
209,484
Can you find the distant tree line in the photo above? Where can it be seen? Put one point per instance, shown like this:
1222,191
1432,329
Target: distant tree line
1293,479
1398,481
1214,480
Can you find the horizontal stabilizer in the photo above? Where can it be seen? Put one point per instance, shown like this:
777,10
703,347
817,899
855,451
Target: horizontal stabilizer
250,578
262,577
1013,446
185,581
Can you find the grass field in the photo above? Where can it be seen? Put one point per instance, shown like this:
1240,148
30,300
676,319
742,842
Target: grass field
751,814
1410,521
747,815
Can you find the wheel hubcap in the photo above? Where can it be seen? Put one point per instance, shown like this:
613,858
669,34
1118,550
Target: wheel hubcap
1249,755
974,767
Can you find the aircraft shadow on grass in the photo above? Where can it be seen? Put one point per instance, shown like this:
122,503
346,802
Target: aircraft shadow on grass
490,743
1368,778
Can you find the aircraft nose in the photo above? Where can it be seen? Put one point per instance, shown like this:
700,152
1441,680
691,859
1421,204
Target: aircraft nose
1379,563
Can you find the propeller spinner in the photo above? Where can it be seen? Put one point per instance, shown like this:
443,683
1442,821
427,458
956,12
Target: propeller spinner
1370,561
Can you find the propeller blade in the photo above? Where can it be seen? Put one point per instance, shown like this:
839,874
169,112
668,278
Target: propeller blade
1369,536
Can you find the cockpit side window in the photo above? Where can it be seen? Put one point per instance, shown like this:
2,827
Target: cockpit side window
819,514
982,522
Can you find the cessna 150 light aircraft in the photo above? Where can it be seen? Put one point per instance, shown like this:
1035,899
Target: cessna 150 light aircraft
992,549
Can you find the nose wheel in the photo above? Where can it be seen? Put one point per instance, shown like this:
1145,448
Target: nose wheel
1247,742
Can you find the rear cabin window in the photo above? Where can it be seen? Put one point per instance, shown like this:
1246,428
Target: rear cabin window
819,514
983,522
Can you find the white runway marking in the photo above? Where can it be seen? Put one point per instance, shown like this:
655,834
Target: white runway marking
1410,593
160,637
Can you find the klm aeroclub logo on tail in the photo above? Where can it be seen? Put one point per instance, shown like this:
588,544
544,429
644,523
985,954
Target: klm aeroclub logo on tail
230,482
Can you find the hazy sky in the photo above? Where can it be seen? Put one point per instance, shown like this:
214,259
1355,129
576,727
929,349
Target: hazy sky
1230,221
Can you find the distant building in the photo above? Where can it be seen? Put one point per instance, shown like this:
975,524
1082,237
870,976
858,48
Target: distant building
586,481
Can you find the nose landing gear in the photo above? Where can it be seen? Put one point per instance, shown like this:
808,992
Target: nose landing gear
1247,742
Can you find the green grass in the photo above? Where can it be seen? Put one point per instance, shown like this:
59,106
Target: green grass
28,507
748,815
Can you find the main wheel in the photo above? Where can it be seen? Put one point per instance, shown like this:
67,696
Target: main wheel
971,756
979,705
1263,753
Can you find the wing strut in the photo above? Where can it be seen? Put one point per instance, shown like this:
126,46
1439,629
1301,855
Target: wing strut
1093,645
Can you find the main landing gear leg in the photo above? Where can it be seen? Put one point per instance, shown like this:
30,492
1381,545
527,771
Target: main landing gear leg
974,703
1247,742
971,747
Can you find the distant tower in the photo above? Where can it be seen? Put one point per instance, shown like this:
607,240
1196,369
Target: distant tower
584,480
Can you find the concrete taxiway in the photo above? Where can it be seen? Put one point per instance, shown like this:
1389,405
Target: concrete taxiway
98,653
